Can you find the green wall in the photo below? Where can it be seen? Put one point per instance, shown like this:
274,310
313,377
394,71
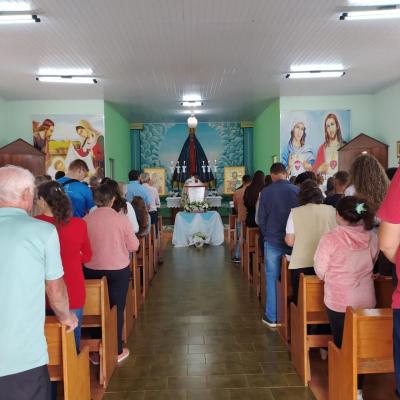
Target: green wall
266,137
117,143
386,112
17,115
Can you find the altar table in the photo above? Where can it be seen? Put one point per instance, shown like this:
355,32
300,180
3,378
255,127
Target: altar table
187,224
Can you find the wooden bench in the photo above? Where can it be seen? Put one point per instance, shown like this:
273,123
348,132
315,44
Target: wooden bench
367,348
232,236
142,262
129,313
249,248
310,310
154,242
149,256
159,240
383,291
258,262
283,294
64,363
136,287
97,314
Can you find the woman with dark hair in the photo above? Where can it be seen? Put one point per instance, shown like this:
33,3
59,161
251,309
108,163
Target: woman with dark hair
121,205
327,156
305,226
344,260
55,208
112,239
142,215
251,196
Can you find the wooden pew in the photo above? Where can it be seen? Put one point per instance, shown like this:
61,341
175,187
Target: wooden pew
249,249
64,363
136,287
367,348
284,293
97,314
149,256
143,262
258,262
232,237
310,310
383,291
154,242
129,314
159,239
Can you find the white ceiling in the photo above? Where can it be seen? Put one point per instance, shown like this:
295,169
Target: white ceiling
148,53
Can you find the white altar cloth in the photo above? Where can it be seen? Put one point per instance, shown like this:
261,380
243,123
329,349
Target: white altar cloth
175,202
187,224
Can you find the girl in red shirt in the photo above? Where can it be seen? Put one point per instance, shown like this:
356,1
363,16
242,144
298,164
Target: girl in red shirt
55,208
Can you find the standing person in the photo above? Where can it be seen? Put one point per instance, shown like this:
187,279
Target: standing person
79,193
341,182
155,199
251,196
326,162
112,238
276,201
55,208
142,216
238,202
136,189
297,157
305,226
389,243
30,267
368,179
344,260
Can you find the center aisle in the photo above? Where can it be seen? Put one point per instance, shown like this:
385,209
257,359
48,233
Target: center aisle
200,336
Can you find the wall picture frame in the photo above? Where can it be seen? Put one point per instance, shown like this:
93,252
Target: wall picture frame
233,178
398,149
158,179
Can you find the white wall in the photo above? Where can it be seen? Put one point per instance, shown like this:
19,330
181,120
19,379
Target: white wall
387,117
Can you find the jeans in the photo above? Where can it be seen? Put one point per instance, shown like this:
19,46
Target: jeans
237,248
396,346
273,255
77,332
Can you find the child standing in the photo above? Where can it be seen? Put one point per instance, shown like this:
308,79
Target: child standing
344,260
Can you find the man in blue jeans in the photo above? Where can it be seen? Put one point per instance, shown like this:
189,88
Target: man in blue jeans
275,204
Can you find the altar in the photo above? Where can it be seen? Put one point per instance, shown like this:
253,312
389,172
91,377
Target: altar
175,202
187,224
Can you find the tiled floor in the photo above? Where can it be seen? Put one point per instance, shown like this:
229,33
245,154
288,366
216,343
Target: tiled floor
200,337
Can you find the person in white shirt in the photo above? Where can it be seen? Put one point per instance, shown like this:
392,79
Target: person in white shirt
155,199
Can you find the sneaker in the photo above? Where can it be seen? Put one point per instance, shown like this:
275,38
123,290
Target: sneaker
123,355
94,358
269,323
323,353
359,395
236,260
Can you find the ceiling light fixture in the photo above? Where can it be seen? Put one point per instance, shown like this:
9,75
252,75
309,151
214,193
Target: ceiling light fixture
314,74
65,71
191,103
18,18
191,97
192,122
14,6
316,67
386,12
67,79
372,3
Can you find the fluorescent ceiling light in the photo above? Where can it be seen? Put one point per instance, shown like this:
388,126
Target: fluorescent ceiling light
316,67
191,97
377,13
14,6
314,74
18,18
372,2
65,71
192,103
67,79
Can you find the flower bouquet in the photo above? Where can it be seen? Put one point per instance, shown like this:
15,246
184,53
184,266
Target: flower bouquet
196,206
199,238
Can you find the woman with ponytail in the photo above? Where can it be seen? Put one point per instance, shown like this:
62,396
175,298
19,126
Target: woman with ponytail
55,207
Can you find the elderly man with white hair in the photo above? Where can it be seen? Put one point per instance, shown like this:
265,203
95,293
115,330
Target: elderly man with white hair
30,267
154,196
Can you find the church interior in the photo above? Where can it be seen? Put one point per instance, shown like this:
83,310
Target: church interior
256,145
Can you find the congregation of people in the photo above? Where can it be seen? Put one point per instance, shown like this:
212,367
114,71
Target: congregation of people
330,230
56,234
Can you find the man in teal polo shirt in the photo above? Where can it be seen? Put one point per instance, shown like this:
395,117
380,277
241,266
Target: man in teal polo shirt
30,266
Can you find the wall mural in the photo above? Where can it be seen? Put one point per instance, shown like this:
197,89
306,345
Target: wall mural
310,140
65,138
161,143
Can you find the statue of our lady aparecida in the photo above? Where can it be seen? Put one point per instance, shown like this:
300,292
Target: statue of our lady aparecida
193,164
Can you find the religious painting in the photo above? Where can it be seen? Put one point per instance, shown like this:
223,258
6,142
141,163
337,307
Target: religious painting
233,178
157,176
65,138
310,140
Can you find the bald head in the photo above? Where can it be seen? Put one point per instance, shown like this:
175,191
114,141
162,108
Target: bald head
16,187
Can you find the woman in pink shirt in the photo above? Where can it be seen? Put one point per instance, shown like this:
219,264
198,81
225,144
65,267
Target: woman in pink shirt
344,260
112,238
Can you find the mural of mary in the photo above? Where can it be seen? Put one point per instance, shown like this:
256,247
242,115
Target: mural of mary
297,156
